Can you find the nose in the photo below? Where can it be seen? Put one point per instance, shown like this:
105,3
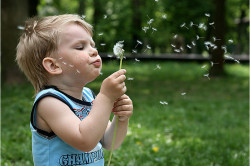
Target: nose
93,52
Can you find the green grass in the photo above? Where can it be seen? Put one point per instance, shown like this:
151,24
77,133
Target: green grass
208,126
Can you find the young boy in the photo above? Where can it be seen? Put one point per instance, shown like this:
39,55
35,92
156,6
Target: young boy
69,124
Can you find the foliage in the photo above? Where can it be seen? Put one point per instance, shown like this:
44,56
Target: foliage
206,126
114,20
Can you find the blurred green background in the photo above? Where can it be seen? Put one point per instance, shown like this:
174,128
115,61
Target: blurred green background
188,76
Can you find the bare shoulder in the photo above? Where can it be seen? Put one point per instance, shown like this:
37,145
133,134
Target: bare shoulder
53,115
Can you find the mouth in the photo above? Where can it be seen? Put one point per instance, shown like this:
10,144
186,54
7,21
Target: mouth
97,63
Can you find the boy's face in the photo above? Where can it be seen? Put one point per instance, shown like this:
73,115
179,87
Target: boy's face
77,54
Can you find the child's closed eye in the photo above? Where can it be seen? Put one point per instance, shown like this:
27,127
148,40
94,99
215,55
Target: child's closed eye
79,48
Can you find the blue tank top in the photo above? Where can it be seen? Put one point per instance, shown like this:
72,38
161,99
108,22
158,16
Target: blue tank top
50,150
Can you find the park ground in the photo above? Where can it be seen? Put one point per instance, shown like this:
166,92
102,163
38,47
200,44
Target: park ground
181,117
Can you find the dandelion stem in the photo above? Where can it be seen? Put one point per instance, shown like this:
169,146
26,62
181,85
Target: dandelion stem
116,124
113,142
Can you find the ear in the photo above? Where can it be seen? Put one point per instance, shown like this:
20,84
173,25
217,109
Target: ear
51,66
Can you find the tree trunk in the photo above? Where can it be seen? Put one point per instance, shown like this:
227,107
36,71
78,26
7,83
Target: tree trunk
220,31
13,14
81,9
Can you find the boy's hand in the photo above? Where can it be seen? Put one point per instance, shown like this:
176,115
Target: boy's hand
114,86
123,108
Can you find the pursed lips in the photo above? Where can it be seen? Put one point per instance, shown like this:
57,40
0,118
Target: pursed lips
97,63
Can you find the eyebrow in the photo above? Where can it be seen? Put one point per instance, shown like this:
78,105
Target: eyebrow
85,41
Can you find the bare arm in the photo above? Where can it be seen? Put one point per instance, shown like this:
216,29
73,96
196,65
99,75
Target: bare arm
124,109
83,135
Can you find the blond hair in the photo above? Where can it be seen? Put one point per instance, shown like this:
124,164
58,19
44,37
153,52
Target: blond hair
39,40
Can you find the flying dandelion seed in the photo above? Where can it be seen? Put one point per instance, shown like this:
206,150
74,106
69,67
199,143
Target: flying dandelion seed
109,55
163,102
175,36
101,73
100,34
105,16
177,50
134,51
157,67
145,29
150,21
20,27
202,26
188,46
164,16
130,79
184,25
103,44
60,58
71,66
230,41
138,42
207,14
137,60
184,93
156,0
207,75
148,47
198,37
154,30
83,16
77,71
192,24
224,48
193,43
64,63
203,66
212,63
212,24
173,45
214,38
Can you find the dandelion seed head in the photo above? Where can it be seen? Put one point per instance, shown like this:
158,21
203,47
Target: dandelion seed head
118,48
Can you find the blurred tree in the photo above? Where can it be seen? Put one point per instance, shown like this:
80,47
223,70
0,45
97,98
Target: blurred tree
219,32
13,14
81,8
